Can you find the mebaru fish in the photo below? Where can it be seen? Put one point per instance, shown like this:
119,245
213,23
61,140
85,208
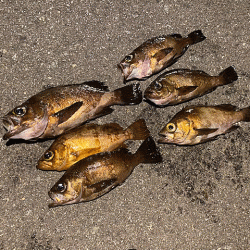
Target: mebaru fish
98,174
156,54
196,124
87,140
56,110
180,85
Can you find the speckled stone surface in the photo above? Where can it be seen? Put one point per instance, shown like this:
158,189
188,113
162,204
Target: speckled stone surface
198,198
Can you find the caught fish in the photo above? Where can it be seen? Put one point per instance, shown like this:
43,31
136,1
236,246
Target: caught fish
96,175
56,110
156,54
87,140
180,85
197,124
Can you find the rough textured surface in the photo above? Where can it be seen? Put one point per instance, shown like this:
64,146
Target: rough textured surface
198,198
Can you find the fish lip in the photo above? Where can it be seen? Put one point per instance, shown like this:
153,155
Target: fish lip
8,124
40,165
57,203
123,67
162,139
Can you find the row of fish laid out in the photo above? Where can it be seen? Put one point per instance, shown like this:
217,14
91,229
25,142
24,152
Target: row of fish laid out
57,110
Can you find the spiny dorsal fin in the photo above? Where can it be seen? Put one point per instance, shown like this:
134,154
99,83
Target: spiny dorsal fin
227,107
97,85
176,35
64,114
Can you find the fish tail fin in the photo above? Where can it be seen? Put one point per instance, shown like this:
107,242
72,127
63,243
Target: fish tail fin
229,75
128,95
148,152
246,114
138,130
196,36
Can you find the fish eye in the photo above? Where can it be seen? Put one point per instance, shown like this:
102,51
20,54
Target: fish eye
48,155
20,111
171,127
61,187
158,85
128,58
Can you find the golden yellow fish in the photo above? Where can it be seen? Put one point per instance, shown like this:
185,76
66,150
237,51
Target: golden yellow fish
197,124
87,140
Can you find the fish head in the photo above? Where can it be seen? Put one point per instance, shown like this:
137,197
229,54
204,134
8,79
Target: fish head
135,66
27,121
55,158
68,190
175,132
160,92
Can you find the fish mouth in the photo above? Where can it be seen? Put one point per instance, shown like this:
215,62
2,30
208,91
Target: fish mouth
44,165
126,71
59,202
163,139
10,127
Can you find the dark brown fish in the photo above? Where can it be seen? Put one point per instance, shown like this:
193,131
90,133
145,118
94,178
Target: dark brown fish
56,110
180,85
156,54
96,175
197,124
87,140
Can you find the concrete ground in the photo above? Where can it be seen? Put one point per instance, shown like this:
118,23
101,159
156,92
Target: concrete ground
198,198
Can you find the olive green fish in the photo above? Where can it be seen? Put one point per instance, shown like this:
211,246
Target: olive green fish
197,124
96,175
181,85
87,140
59,109
156,54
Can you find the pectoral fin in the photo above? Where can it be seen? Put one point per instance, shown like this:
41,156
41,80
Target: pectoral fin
186,90
64,114
100,186
160,55
205,131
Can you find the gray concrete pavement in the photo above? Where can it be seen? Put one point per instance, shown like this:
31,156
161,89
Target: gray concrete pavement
197,199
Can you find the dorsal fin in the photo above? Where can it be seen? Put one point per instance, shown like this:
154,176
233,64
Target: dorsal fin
176,35
227,107
97,85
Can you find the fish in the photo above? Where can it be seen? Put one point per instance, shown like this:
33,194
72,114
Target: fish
157,54
87,140
59,109
177,86
97,174
198,124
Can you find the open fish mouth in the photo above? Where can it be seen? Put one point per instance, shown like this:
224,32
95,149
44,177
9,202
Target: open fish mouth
7,124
